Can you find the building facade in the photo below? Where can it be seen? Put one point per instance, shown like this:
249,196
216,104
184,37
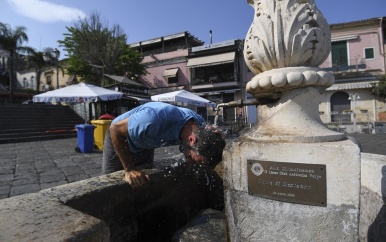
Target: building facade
25,80
357,58
50,79
165,58
16,93
216,71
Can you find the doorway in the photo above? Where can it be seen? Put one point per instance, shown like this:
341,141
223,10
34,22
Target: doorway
339,102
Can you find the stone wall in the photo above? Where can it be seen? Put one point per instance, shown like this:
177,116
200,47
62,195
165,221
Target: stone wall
372,225
105,208
370,107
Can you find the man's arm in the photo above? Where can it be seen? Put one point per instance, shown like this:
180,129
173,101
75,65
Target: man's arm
119,133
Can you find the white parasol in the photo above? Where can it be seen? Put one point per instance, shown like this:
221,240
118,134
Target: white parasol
78,93
184,97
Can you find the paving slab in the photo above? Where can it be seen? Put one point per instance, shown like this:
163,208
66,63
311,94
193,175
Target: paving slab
28,167
50,220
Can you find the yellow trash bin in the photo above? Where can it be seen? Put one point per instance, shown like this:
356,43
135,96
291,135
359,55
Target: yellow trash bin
100,131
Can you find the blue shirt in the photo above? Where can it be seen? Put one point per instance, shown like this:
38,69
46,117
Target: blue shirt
156,124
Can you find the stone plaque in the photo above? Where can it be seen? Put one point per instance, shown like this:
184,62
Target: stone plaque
289,182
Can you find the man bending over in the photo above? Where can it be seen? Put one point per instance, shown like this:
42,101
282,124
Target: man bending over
133,136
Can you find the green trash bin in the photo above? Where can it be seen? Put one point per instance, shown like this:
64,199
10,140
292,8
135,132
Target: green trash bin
101,127
85,137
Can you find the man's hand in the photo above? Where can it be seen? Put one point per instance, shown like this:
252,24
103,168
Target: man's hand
119,133
136,179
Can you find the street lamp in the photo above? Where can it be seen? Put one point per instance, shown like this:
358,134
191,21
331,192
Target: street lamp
57,54
353,98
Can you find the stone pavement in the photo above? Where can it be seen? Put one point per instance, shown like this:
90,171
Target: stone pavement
371,143
33,166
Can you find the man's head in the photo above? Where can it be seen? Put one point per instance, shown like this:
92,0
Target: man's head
206,146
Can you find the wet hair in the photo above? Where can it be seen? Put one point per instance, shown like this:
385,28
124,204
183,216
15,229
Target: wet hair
210,144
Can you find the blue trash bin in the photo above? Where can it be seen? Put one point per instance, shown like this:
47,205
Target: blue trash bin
85,137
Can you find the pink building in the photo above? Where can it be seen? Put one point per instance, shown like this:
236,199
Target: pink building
165,58
357,58
216,71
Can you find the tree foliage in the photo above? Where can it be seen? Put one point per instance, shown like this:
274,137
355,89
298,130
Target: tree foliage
12,40
379,88
95,48
36,61
129,64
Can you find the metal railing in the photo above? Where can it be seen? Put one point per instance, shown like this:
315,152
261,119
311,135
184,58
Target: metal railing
167,49
212,79
357,63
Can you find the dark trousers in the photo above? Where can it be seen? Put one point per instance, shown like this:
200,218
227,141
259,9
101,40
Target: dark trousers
112,163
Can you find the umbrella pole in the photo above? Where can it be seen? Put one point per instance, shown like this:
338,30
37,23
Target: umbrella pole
85,113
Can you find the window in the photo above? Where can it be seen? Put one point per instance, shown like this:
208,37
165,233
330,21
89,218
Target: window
25,82
33,85
172,80
49,79
213,74
369,53
171,75
339,53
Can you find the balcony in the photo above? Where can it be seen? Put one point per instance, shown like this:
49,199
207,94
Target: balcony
352,65
220,75
205,82
166,56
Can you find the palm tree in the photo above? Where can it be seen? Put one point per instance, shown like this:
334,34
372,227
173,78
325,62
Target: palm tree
11,40
37,60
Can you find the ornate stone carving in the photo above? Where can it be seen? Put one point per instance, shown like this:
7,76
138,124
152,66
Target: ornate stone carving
284,34
287,41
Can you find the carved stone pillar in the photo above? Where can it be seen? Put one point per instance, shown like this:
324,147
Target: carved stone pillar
274,171
284,45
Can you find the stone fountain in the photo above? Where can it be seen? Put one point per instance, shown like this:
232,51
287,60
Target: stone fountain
289,178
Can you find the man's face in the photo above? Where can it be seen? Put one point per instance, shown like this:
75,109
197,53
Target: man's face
190,154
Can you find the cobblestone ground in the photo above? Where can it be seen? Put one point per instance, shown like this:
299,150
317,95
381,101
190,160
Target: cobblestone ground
33,166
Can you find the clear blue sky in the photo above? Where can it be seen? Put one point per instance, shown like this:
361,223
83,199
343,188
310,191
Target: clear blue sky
146,19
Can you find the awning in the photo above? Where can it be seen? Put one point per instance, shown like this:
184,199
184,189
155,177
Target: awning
347,37
351,85
170,73
211,60
183,96
165,90
123,79
138,99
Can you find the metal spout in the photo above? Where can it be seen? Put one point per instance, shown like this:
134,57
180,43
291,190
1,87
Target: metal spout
239,103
